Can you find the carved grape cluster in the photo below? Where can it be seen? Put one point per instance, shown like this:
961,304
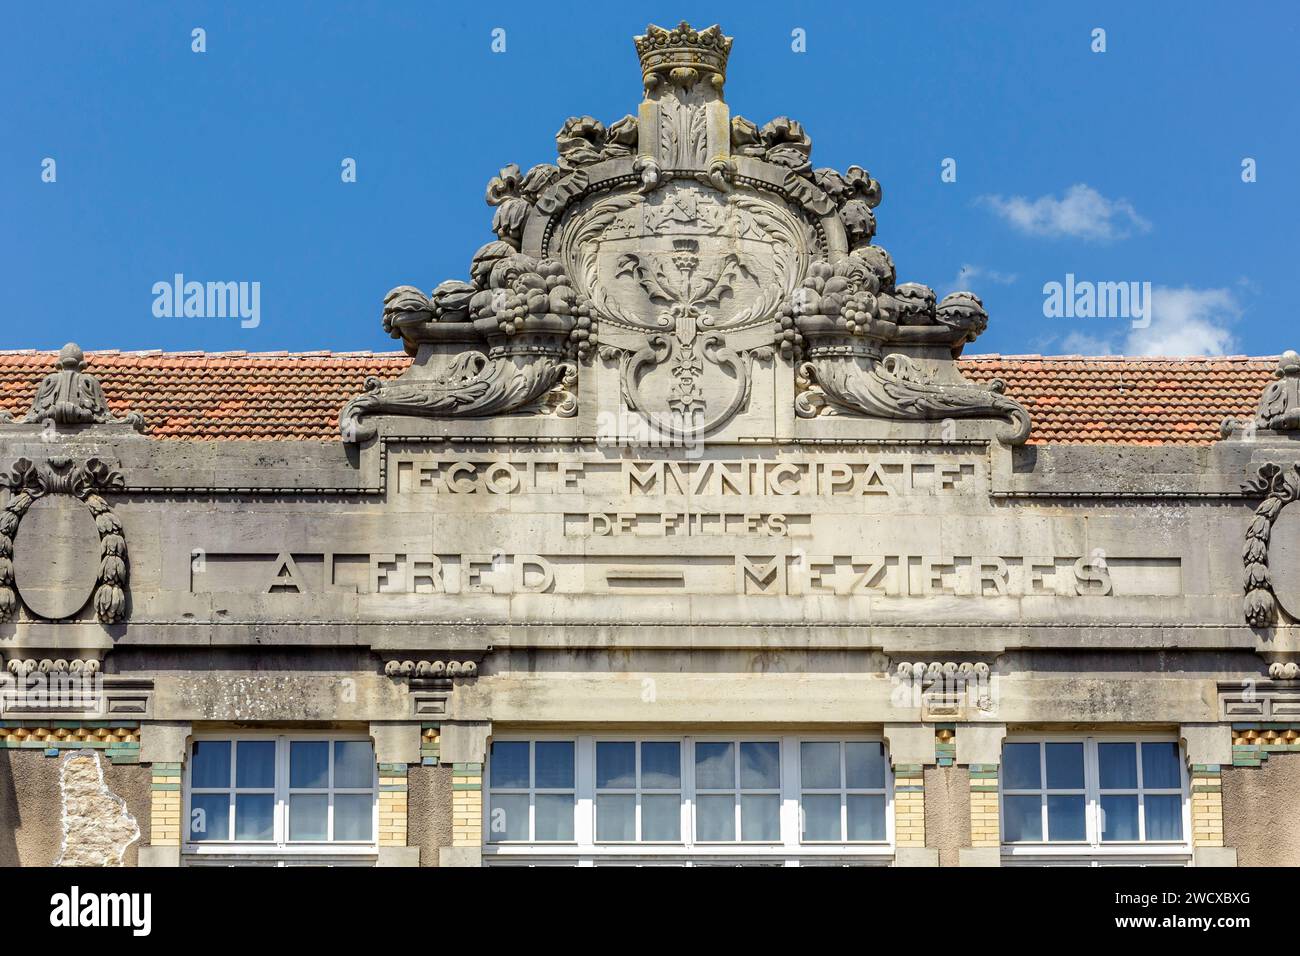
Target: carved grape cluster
788,339
583,335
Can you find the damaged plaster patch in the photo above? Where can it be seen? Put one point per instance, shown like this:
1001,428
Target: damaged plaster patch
97,828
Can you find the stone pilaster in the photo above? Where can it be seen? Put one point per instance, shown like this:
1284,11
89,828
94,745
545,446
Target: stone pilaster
163,746
979,748
1208,747
464,746
911,750
397,745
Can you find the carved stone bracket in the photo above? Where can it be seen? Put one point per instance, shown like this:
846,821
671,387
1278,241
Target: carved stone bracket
70,396
29,483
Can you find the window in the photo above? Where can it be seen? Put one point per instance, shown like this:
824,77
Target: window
842,791
688,800
1094,793
262,794
638,791
532,790
737,791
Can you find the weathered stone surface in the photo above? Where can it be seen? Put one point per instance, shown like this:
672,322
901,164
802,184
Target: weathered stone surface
97,827
56,556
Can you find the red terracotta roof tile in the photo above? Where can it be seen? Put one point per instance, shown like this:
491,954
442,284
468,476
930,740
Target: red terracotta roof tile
285,396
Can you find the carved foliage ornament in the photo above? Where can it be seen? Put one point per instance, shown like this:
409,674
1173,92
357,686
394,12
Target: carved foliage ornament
28,484
69,396
682,246
1279,486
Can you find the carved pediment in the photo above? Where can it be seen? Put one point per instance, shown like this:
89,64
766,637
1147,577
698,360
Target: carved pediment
674,254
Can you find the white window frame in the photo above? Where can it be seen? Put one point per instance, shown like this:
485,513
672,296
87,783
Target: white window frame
640,791
844,791
279,847
788,850
1092,850
531,791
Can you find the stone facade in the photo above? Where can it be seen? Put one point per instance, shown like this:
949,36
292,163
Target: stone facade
682,539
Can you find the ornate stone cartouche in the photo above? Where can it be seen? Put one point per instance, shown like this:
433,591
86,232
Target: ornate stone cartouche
673,254
71,396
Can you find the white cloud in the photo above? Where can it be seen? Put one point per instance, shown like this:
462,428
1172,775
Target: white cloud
1187,322
1184,322
1082,213
970,277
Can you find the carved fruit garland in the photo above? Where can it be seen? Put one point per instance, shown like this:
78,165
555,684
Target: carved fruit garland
27,482
1281,487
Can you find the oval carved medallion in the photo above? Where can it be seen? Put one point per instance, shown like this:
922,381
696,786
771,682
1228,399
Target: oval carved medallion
56,556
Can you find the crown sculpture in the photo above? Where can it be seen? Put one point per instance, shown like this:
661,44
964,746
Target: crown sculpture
701,268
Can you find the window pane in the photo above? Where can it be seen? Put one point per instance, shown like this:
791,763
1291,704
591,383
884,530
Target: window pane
553,813
1160,769
661,816
255,764
1022,817
1064,768
1065,818
819,765
554,765
864,765
253,816
1164,815
211,764
661,765
354,765
309,763
866,817
821,816
760,817
1020,767
615,817
353,816
308,816
1119,817
715,817
616,765
209,816
760,765
509,817
715,767
510,764
1118,765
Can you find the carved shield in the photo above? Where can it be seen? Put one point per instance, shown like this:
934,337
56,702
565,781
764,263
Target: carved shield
686,280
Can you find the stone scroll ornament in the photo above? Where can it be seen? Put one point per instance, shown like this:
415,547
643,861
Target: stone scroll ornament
77,489
673,253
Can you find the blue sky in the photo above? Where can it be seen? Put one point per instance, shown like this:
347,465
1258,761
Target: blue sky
1116,166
